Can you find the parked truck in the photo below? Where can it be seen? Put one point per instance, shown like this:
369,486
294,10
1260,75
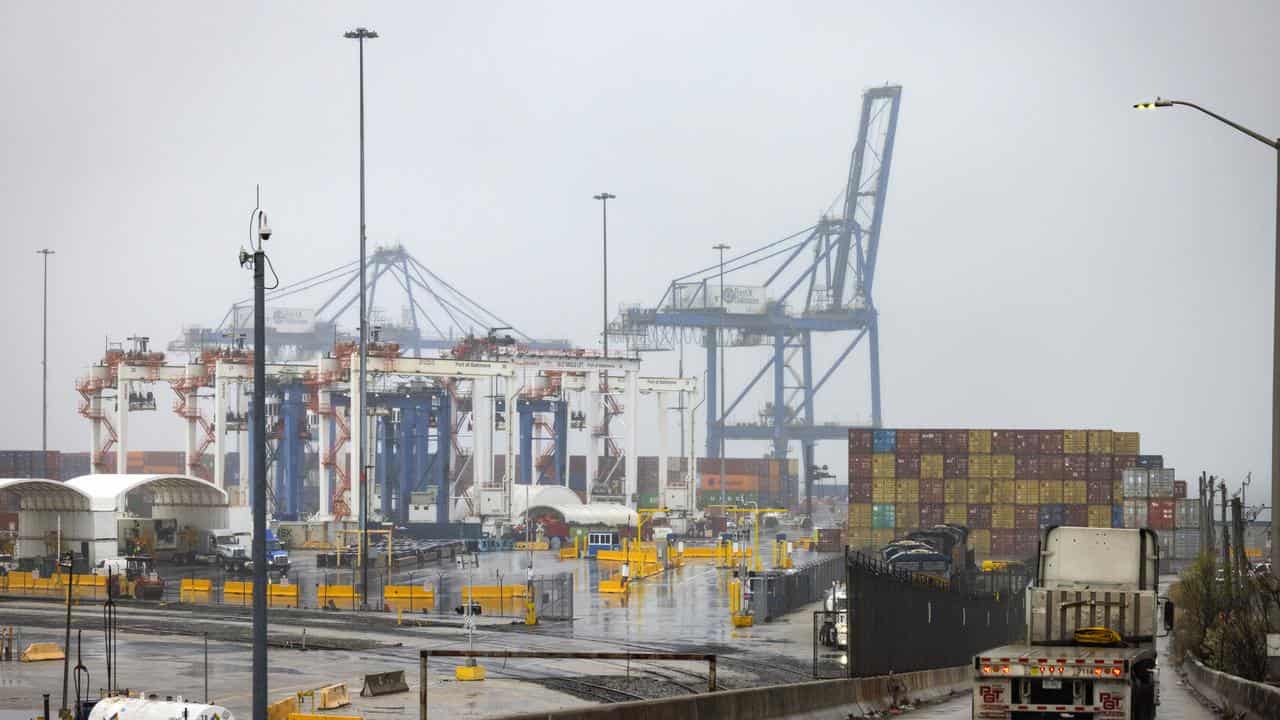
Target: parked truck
1090,652
277,556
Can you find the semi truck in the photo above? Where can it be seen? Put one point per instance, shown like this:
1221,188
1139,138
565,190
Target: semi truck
1090,648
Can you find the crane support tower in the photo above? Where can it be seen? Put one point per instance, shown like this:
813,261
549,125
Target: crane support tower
818,280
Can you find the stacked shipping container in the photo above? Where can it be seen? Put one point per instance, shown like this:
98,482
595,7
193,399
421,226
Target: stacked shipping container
31,464
1004,485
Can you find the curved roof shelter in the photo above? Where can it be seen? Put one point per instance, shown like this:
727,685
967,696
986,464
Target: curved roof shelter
564,502
109,492
35,494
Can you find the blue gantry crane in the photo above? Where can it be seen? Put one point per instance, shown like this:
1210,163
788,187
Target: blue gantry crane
816,281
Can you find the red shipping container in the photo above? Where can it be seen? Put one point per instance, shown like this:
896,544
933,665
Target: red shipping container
1028,541
1051,467
955,441
1180,489
1004,543
932,491
859,440
1075,467
932,514
1098,492
908,441
1026,516
1026,442
907,465
1002,442
1075,515
860,491
1160,514
1100,467
1121,463
955,467
932,441
860,467
1050,442
979,517
1026,467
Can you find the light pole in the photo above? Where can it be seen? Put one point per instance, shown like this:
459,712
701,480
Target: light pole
44,356
258,260
604,199
360,35
720,352
1274,144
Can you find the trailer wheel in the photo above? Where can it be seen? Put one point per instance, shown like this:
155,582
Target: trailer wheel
1144,692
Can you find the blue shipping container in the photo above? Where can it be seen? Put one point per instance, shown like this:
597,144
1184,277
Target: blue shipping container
1053,514
884,441
1117,516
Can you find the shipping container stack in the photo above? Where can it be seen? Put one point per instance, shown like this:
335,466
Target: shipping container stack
41,464
1006,486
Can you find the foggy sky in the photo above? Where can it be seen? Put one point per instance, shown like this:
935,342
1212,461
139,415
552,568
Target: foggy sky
1049,257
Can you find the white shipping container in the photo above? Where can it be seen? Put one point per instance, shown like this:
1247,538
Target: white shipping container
1135,513
1161,483
1186,513
1186,544
1135,481
1166,545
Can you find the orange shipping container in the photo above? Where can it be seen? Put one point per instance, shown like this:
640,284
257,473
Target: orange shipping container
1002,467
1002,492
883,490
1075,442
1075,492
956,514
980,441
955,491
907,517
1002,517
908,491
1126,443
1100,516
1101,442
979,492
1026,492
930,467
979,466
1050,492
883,464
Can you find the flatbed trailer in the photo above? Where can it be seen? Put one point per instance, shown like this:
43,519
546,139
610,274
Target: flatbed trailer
1028,681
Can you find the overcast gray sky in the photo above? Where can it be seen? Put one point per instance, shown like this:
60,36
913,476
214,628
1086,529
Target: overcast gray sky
1050,258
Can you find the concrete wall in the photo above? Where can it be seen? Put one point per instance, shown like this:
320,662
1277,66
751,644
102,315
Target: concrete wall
1244,698
819,700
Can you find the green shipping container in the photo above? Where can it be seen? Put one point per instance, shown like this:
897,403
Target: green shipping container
883,516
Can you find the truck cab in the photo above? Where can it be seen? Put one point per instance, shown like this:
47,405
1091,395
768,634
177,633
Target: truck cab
1092,619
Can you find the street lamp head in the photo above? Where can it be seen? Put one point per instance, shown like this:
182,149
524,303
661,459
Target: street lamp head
1159,102
605,196
360,34
720,246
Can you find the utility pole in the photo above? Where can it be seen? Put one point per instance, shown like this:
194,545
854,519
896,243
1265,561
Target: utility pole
1226,529
259,418
360,35
604,199
720,351
44,356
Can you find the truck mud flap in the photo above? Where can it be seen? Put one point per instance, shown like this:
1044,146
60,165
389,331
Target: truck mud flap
384,683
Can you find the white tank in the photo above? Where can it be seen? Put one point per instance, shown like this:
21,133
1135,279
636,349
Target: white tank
119,708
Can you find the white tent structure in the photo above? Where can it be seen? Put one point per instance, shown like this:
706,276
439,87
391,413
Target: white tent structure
564,502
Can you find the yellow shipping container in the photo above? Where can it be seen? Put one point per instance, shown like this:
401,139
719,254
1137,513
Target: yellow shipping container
956,514
980,466
979,492
980,541
930,467
1117,491
979,441
1002,517
859,515
1026,492
1100,516
1075,492
955,491
883,490
1075,442
1126,443
883,465
859,538
882,537
1050,492
908,491
1100,442
1002,467
907,517
1002,492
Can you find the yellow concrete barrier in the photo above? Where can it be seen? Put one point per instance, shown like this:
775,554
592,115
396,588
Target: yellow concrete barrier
701,552
408,592
633,555
39,652
493,591
316,716
281,595
336,592
195,585
569,552
614,585
533,545
283,709
237,587
332,697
